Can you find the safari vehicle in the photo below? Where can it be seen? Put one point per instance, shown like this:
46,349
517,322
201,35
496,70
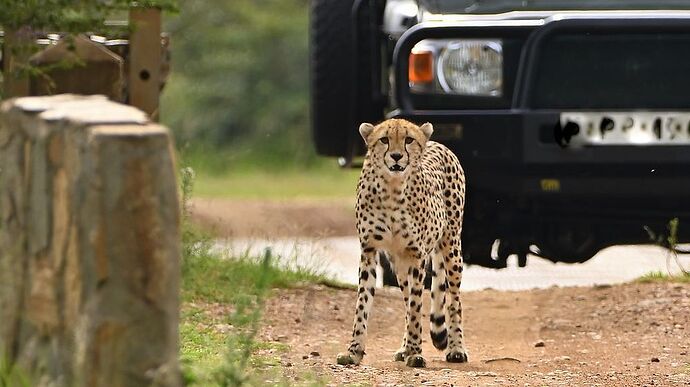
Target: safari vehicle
571,118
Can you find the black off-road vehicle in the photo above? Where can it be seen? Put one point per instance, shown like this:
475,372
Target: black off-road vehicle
571,118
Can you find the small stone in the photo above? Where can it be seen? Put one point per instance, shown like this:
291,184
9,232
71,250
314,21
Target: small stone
305,357
683,353
539,344
315,353
288,364
655,360
297,320
336,307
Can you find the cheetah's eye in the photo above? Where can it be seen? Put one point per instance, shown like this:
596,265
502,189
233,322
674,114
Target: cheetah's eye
384,140
408,140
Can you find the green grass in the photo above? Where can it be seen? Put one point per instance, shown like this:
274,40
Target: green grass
215,279
658,276
238,173
12,375
223,300
222,306
289,184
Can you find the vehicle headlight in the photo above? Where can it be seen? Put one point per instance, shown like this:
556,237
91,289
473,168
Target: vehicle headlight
465,67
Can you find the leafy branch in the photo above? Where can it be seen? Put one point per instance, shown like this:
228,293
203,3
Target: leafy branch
69,16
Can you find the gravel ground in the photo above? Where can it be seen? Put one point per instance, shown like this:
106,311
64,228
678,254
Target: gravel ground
623,335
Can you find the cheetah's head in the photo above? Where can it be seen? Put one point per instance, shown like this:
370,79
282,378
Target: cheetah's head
395,145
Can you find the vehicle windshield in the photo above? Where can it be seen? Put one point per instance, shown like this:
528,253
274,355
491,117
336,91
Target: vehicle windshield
498,6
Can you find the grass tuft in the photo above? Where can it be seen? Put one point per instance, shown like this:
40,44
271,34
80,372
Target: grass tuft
223,301
661,277
11,375
212,278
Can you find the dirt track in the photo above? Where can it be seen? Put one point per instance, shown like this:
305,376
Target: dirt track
252,218
628,335
635,334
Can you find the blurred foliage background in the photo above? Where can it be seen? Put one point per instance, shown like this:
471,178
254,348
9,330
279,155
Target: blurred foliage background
237,98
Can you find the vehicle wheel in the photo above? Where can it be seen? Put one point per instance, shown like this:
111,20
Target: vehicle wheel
570,246
332,91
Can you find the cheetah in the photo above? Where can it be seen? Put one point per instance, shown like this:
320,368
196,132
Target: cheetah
410,203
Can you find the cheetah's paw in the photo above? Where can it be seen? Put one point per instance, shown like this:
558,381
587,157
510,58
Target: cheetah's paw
457,357
346,358
416,361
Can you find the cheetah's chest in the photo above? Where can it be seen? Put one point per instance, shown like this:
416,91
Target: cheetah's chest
404,224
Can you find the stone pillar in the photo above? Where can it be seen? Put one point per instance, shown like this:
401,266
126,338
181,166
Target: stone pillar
89,243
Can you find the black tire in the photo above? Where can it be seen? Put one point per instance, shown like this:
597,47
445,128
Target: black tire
332,77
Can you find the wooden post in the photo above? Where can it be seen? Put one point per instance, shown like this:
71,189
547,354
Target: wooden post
89,243
15,54
145,59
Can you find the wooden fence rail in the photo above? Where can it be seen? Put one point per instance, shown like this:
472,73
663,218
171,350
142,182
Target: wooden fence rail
89,243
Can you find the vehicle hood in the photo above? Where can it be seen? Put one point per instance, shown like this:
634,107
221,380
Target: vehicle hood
499,6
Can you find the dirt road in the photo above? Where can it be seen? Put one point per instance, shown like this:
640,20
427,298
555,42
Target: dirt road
623,335
628,335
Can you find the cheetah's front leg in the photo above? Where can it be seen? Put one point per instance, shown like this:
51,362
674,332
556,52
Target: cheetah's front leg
365,300
403,278
456,352
413,287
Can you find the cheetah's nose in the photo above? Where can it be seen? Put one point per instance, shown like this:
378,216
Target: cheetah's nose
396,156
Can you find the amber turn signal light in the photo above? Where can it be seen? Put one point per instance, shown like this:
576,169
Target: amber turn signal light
421,67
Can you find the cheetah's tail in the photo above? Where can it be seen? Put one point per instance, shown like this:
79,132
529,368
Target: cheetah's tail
439,334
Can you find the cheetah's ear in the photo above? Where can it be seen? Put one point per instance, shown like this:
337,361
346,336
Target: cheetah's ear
427,129
365,130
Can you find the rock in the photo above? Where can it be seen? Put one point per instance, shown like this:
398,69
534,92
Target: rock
655,360
305,357
539,344
315,353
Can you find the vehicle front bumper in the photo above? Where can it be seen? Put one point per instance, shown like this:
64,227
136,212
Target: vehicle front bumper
514,152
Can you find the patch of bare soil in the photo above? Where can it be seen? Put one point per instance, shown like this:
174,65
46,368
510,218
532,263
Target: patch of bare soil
276,218
627,335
